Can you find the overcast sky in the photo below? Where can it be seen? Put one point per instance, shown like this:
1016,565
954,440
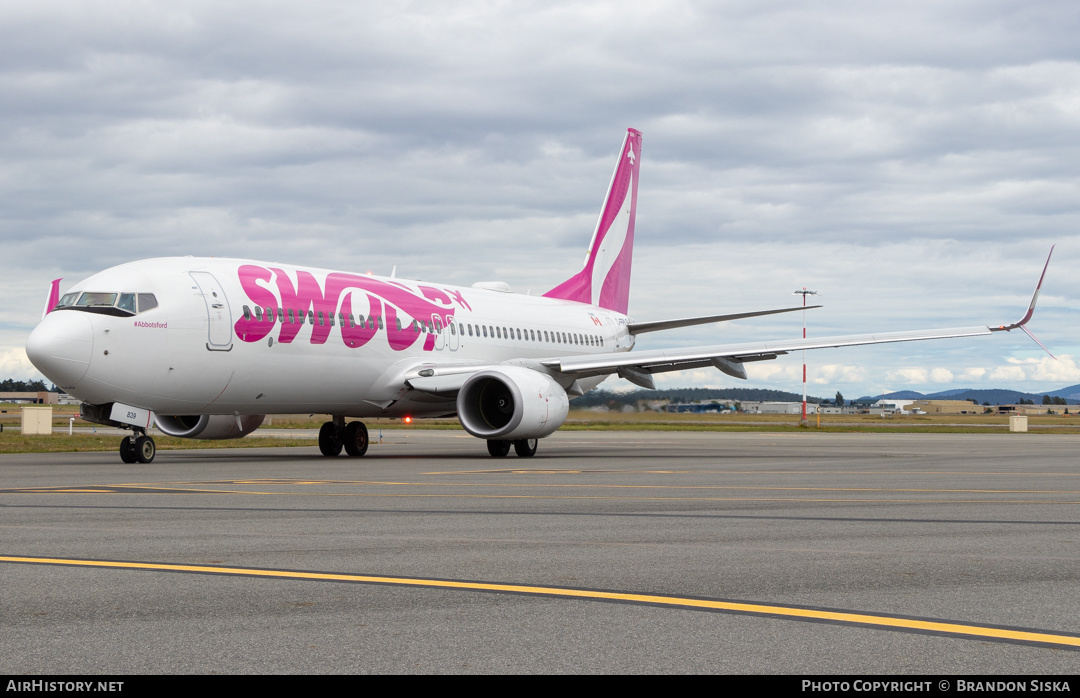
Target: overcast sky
913,162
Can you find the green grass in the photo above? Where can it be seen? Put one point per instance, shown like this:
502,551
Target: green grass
11,442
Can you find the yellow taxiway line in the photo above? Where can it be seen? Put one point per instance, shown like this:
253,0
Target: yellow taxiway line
956,629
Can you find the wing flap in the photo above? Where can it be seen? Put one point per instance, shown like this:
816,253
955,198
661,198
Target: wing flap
664,360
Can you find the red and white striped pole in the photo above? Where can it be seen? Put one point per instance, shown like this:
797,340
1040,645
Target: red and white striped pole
804,293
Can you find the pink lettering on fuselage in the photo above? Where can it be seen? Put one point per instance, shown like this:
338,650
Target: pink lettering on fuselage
319,306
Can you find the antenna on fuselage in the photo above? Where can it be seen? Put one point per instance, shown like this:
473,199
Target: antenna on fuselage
393,272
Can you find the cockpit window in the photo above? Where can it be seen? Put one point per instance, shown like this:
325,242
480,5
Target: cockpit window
119,304
96,300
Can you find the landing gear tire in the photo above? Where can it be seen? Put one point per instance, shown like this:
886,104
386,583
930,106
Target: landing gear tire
498,448
127,451
356,439
145,449
525,448
329,440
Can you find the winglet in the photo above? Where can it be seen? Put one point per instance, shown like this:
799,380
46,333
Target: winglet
1031,308
1034,298
54,297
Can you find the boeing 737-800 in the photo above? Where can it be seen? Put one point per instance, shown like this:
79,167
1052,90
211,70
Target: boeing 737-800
206,347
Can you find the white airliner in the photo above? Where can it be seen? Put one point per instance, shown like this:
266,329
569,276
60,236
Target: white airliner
205,348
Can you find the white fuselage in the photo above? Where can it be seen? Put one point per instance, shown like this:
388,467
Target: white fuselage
244,337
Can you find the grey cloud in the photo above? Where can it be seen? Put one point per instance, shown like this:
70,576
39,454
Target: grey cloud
921,152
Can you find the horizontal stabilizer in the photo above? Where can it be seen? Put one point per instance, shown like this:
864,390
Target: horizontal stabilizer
642,327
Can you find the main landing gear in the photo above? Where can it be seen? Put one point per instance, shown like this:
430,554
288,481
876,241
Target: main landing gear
335,435
525,448
137,448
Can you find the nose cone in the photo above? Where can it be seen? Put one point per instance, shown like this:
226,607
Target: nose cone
61,346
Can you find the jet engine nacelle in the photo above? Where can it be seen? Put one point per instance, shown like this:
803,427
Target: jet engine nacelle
511,403
208,426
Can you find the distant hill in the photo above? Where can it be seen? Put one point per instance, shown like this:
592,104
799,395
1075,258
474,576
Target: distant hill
1070,393
993,396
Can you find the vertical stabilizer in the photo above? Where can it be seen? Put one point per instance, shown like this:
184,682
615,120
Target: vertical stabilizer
605,279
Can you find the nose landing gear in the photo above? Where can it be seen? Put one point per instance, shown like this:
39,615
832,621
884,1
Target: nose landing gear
138,448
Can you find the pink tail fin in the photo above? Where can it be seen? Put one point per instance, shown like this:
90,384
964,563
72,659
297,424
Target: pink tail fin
605,280
54,297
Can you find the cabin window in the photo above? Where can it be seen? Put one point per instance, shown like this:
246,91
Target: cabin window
378,319
485,331
438,325
398,321
258,314
452,330
269,314
311,317
470,329
247,313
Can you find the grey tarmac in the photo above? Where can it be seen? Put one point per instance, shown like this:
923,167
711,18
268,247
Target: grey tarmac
976,533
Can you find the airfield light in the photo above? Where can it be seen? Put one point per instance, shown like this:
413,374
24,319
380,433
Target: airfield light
408,420
804,293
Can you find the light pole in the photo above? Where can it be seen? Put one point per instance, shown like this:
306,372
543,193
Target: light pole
804,293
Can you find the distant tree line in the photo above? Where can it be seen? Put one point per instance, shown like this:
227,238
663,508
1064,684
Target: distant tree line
14,386
597,398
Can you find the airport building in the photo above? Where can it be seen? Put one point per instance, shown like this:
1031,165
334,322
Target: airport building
35,398
946,407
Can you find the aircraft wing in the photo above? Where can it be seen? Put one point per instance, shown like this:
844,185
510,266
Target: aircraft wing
637,366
